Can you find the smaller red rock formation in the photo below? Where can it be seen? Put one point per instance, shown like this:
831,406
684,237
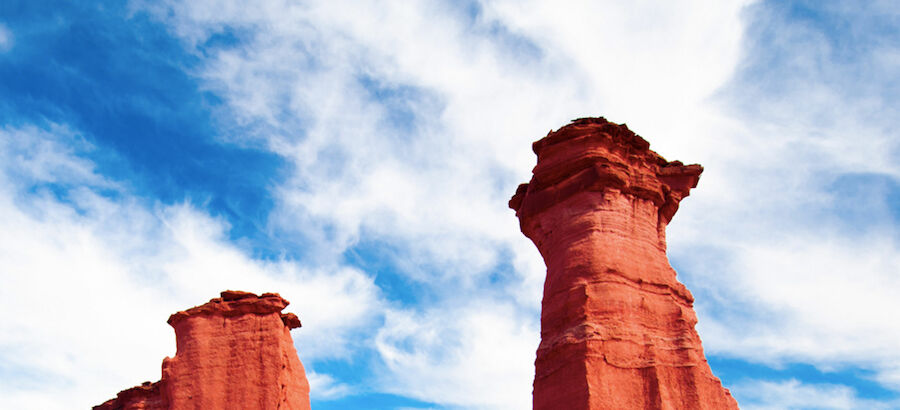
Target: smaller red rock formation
234,352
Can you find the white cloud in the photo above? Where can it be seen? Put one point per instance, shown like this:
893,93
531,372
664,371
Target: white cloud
795,264
35,156
794,395
87,282
323,386
465,356
827,302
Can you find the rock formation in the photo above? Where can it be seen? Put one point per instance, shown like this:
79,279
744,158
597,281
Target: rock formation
617,328
234,352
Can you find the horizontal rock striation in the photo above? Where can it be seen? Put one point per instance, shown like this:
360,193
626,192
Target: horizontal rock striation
617,328
234,352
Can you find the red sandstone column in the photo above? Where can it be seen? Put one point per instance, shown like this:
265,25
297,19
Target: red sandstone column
617,328
234,352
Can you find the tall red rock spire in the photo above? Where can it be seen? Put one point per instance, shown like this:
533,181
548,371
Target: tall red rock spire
234,352
617,328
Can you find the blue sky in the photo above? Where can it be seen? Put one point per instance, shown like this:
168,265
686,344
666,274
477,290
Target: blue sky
357,158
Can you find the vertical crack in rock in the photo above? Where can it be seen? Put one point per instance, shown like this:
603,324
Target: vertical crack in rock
234,352
617,328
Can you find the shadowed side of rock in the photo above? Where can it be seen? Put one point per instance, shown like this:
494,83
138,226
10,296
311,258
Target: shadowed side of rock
617,328
234,352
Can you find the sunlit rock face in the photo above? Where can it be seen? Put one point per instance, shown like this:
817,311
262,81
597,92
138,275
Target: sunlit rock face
617,328
234,352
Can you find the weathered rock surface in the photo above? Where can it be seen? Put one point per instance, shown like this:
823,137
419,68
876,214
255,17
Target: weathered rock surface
617,328
234,352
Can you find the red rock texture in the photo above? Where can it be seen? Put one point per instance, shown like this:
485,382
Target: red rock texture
234,352
617,328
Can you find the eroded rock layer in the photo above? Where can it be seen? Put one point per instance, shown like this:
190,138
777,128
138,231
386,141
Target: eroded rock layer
234,352
617,328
